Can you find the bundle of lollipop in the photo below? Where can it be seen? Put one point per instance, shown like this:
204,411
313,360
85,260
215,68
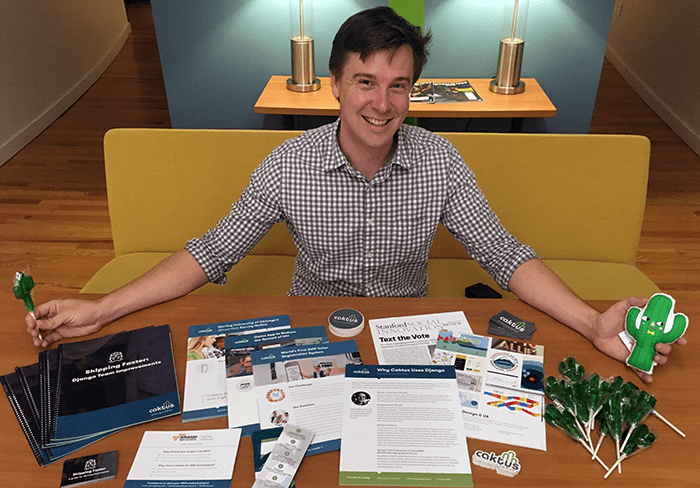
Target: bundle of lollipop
614,407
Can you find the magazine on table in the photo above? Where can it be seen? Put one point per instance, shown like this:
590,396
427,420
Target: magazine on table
501,387
423,92
461,91
411,339
430,92
205,372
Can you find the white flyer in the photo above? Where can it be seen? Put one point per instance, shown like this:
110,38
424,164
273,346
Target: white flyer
401,427
177,459
501,387
411,339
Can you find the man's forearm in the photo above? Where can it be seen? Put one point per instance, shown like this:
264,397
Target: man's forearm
537,285
175,276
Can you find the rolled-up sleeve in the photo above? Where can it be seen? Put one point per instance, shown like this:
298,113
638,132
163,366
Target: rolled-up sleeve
470,219
250,218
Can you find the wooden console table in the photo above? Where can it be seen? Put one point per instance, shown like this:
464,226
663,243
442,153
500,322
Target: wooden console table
533,102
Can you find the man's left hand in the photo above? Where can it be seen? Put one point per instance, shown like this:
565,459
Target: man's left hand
605,335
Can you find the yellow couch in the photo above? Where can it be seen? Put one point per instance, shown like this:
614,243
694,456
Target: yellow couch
578,200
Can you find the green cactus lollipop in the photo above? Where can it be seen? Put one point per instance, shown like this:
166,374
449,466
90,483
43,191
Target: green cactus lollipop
572,369
602,433
613,412
24,284
642,406
656,323
563,420
562,393
597,391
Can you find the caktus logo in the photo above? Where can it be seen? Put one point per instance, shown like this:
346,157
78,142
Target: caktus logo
168,405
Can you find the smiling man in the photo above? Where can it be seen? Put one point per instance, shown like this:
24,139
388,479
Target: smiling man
362,198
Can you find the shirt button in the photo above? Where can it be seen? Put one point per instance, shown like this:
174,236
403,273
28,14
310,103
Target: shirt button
370,222
369,255
368,286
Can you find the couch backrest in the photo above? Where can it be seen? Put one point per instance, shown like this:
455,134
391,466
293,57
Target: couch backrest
568,196
165,186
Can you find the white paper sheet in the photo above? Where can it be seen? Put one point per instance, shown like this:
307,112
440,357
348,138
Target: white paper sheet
181,458
401,427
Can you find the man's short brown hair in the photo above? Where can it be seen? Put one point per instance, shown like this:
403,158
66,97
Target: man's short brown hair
378,29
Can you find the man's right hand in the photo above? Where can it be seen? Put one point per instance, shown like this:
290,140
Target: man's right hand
60,319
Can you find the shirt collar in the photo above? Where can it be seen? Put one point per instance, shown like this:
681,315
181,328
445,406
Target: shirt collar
404,156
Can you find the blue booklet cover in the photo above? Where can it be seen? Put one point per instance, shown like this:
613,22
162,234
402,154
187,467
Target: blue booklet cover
115,381
21,390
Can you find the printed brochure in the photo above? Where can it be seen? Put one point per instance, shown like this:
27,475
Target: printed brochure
242,405
205,371
114,381
303,386
501,388
401,427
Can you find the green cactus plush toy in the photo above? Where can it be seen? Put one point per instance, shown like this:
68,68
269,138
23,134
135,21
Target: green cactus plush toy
649,326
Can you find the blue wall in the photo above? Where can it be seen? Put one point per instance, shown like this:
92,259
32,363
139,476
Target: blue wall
217,55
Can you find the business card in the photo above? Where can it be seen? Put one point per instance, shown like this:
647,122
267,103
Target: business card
508,325
89,469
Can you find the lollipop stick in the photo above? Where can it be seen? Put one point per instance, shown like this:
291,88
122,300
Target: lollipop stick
617,464
629,434
600,441
617,448
595,456
39,330
668,423
582,431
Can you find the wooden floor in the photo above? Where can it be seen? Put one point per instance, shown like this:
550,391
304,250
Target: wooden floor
53,205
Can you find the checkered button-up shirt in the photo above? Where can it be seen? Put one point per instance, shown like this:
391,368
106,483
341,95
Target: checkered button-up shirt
357,236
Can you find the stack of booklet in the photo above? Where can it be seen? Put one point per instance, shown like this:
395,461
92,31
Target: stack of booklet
263,374
83,391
